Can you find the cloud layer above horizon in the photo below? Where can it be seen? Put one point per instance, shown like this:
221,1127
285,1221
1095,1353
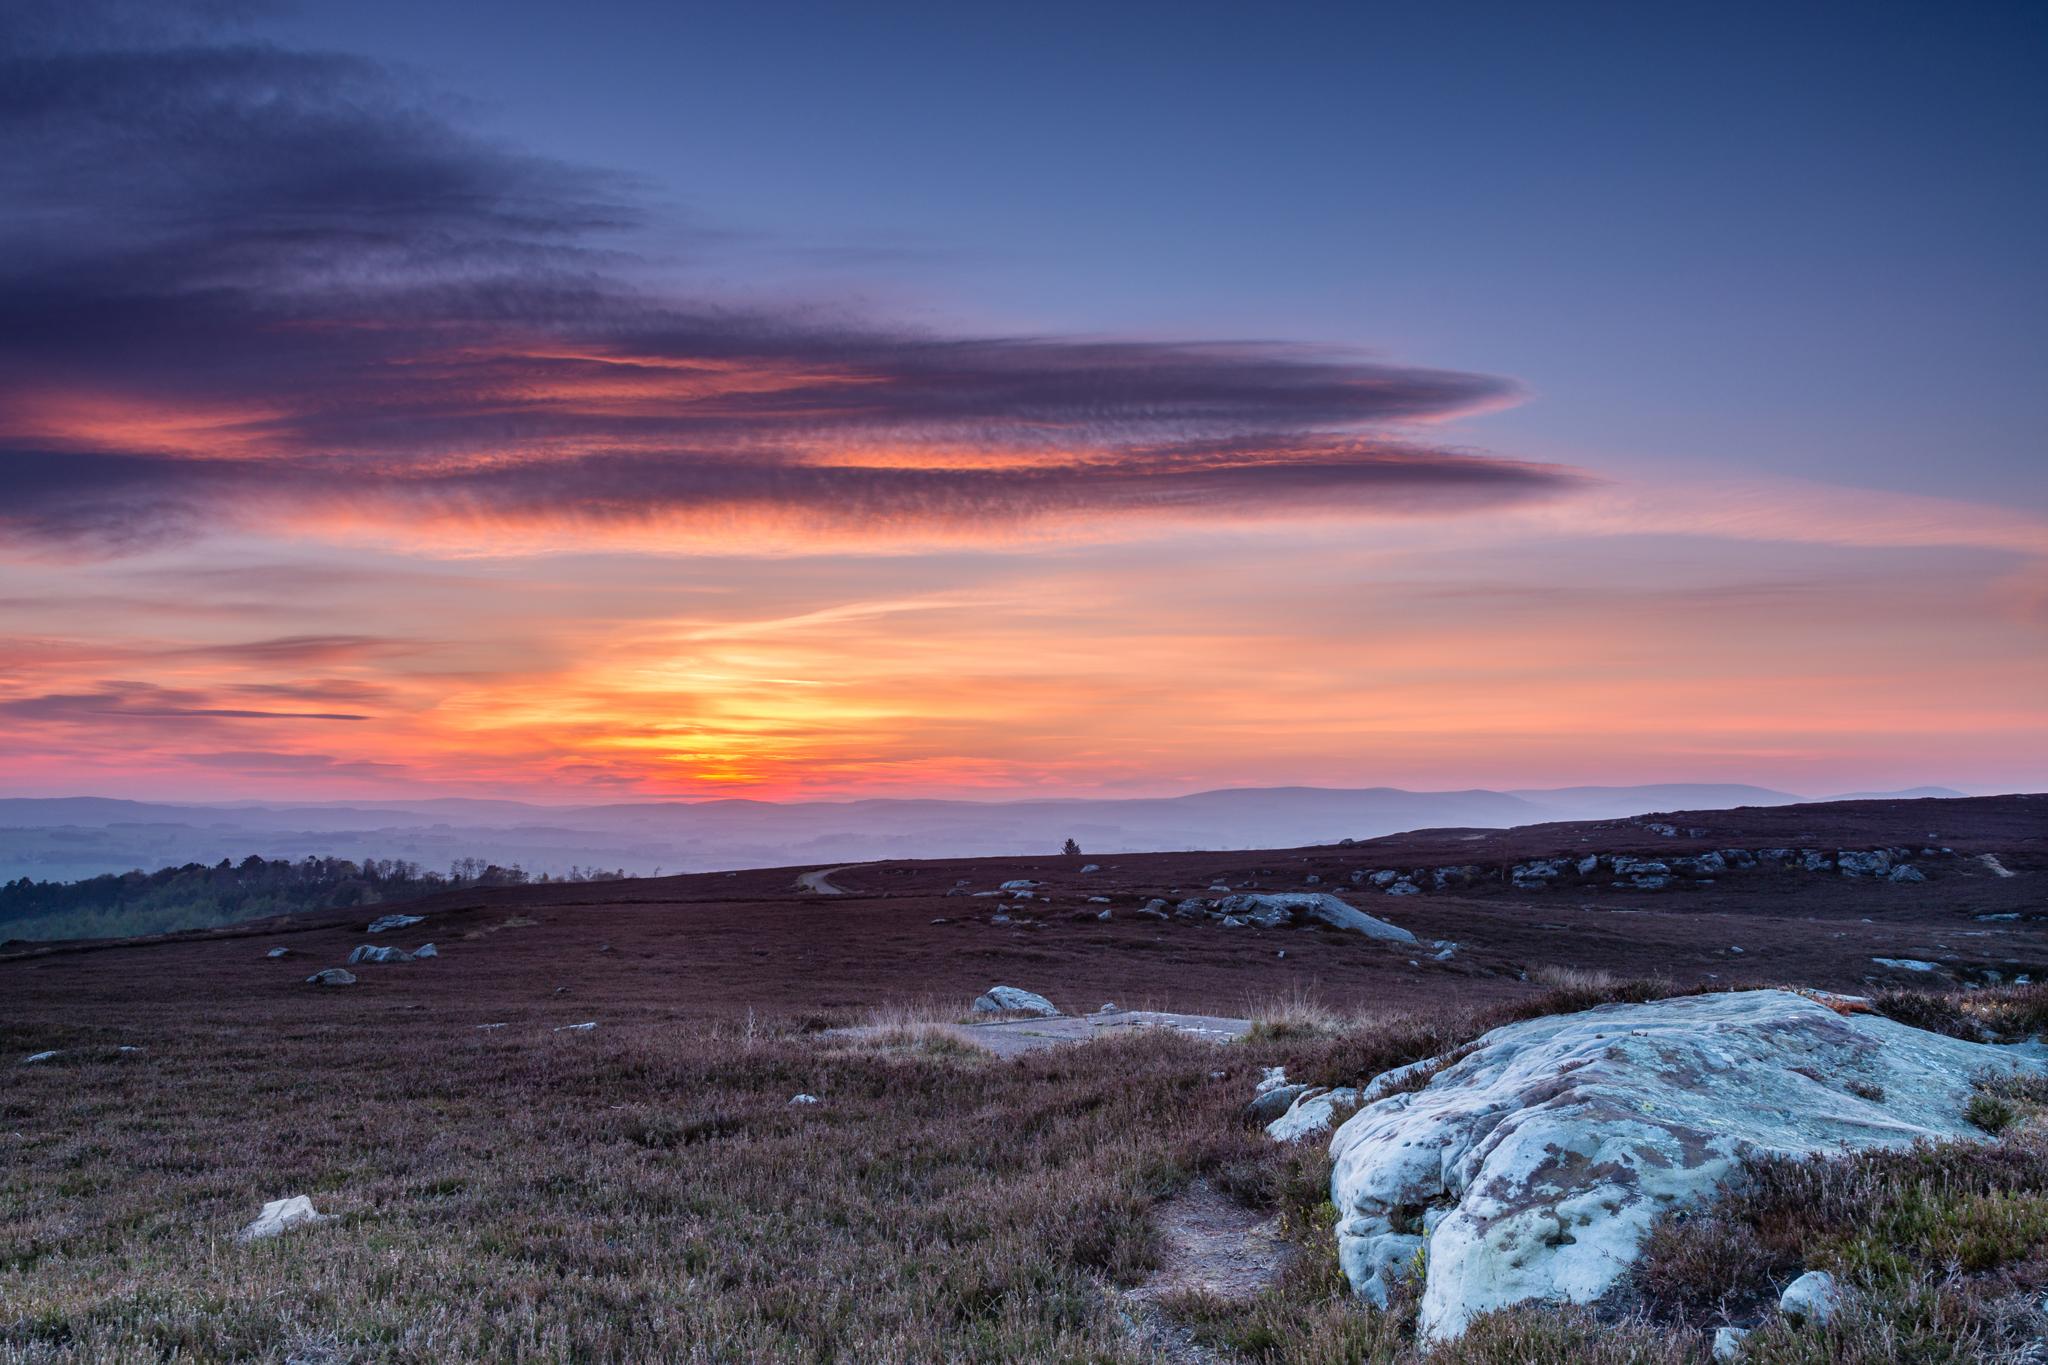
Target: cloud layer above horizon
253,286
344,449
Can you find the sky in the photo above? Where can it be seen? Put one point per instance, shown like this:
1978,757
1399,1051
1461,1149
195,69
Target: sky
633,400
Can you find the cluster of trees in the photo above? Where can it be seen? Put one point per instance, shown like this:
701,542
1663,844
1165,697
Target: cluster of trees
195,895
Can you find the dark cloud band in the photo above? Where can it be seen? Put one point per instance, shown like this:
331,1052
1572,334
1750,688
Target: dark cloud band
240,278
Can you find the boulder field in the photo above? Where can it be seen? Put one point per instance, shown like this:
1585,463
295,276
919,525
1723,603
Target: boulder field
1534,1160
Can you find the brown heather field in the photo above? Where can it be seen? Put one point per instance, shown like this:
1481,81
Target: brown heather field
644,1191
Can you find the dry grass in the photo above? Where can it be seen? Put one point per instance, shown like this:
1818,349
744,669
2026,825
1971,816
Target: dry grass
646,1192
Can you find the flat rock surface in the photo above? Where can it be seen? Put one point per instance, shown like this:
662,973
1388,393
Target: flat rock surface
1014,1037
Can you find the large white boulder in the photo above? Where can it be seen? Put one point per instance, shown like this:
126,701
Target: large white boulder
1531,1166
1275,909
999,999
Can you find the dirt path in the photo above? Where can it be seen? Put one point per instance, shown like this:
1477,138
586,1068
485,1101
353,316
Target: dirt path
1212,1245
820,882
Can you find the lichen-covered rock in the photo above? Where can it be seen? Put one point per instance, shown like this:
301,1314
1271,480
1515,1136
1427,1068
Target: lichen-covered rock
1000,999
1318,907
1531,1166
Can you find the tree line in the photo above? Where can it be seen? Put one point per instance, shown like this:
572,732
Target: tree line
198,895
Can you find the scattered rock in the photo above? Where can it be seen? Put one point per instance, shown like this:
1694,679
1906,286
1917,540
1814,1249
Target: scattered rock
37,1058
1530,1166
1109,1007
370,952
1320,907
1728,1342
1873,864
1220,887
1098,900
1000,999
429,950
583,1027
1311,1113
1404,889
1813,1297
1907,964
333,976
492,1026
385,923
1103,915
1268,1105
1275,1077
801,1098
1906,872
1020,884
279,952
280,1216
1092,867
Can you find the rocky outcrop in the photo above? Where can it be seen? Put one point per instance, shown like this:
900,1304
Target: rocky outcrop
1009,999
1531,1165
1318,907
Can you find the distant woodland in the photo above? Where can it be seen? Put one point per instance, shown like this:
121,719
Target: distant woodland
197,895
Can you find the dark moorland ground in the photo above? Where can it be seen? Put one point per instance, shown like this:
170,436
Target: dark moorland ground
644,1190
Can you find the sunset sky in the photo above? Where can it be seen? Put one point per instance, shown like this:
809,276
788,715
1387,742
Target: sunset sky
630,400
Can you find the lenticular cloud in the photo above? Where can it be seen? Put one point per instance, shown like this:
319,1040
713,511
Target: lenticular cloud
248,285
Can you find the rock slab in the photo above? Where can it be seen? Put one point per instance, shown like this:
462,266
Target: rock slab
1009,998
1531,1166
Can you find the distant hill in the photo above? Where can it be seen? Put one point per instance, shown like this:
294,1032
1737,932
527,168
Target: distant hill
65,838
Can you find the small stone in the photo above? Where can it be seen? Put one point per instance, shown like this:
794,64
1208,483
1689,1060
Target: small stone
280,1216
387,922
279,952
583,1027
1109,1007
429,950
803,1099
333,976
1728,1342
37,1058
1813,1296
